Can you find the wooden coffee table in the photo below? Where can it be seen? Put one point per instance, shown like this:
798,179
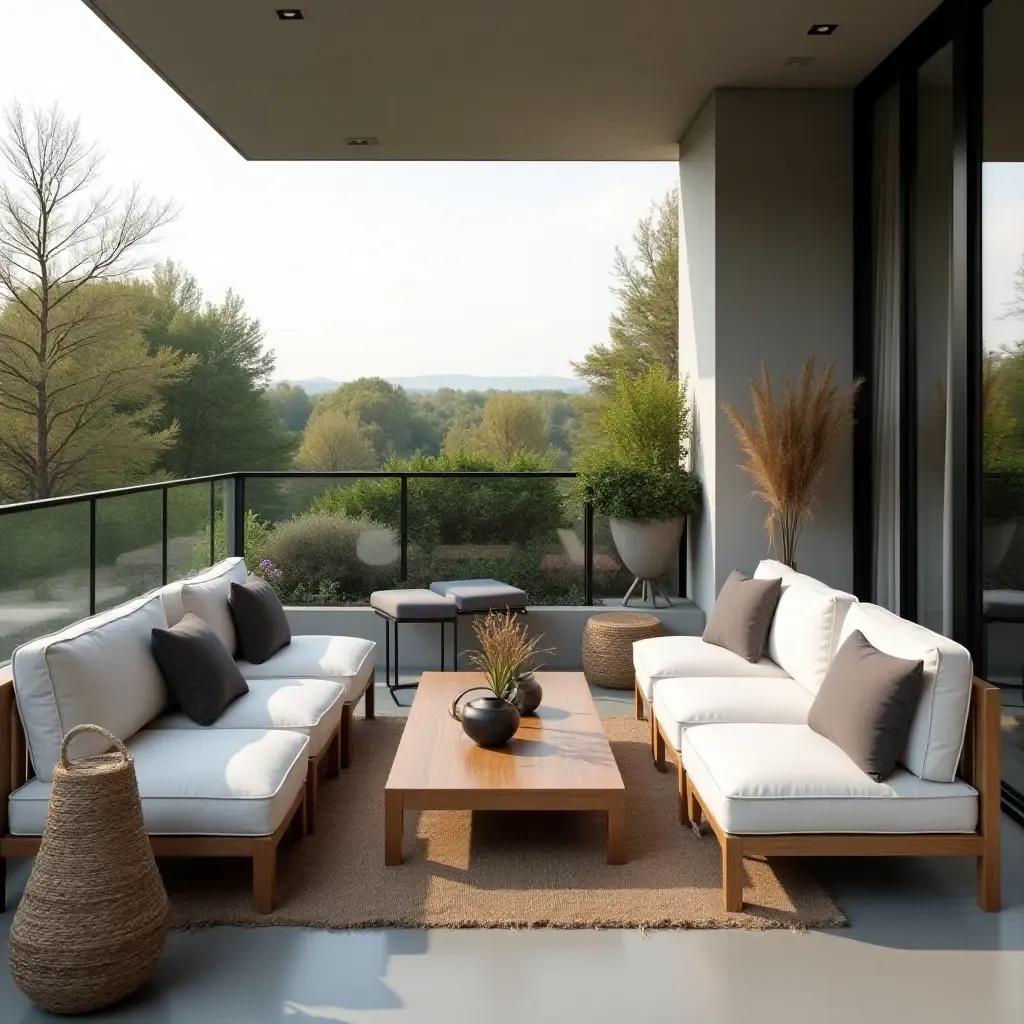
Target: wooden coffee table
557,761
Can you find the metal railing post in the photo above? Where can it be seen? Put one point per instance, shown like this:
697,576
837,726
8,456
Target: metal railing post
403,528
163,537
588,553
213,521
92,556
236,518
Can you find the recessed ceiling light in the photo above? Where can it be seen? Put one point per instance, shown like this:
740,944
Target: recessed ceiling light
361,140
797,62
822,30
290,13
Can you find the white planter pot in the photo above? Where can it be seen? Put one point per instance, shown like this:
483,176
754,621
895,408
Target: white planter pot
996,537
647,549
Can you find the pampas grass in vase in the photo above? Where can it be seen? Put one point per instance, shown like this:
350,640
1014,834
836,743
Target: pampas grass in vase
787,442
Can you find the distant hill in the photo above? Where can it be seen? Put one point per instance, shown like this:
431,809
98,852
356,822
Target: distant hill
458,382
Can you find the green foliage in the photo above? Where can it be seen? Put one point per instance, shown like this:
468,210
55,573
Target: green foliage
644,332
292,405
387,417
511,423
333,441
628,492
256,534
226,422
637,473
457,511
322,555
646,423
1003,495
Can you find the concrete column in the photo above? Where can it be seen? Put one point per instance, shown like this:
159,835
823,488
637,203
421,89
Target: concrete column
766,274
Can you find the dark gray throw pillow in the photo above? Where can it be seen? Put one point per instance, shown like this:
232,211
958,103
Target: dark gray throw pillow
742,615
260,620
200,673
866,703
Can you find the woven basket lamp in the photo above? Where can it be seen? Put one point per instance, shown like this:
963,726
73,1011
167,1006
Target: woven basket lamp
608,646
92,922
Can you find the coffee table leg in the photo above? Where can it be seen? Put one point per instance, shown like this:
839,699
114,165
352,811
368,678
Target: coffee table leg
393,827
616,831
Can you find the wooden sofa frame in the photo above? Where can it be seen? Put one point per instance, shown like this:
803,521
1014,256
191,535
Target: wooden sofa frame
979,766
16,769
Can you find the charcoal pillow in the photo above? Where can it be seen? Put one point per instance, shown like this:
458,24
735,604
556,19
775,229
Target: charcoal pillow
259,618
200,673
866,704
742,615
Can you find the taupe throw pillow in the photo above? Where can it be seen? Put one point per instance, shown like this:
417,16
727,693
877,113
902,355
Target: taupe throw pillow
742,615
201,675
259,619
866,703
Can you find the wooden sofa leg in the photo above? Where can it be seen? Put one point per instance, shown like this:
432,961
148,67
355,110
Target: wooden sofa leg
345,737
638,702
658,743
312,785
732,873
264,874
693,811
990,885
369,701
334,754
682,794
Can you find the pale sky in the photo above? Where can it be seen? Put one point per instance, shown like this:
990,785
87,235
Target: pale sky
353,269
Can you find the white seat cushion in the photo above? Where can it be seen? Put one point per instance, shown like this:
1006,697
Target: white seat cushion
674,657
780,779
683,703
206,595
99,671
807,626
212,782
940,721
345,659
310,706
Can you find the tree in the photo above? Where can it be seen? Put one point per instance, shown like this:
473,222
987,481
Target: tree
512,424
79,389
386,417
644,331
226,422
332,441
292,405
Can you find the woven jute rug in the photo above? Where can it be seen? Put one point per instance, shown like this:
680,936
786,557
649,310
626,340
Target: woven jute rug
499,870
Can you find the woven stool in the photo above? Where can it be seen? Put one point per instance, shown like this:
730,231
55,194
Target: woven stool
93,920
608,646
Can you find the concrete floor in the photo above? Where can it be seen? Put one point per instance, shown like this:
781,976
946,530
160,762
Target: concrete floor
918,949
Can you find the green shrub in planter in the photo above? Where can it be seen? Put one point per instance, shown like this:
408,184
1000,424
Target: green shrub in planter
639,495
1003,495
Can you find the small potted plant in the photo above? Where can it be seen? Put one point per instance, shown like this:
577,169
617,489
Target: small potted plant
505,657
638,480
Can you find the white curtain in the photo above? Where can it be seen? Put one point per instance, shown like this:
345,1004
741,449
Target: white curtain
886,384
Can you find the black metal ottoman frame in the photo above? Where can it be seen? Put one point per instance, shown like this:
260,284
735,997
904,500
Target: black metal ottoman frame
391,622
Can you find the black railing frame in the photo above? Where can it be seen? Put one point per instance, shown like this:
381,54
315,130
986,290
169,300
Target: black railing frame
235,509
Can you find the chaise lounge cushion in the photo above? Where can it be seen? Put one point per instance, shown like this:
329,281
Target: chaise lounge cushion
344,659
780,779
99,671
807,628
310,706
684,703
674,657
206,595
213,782
936,738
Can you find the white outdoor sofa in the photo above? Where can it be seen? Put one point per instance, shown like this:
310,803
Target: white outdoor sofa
767,784
230,789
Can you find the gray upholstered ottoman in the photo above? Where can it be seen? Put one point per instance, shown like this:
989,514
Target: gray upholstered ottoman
397,606
477,597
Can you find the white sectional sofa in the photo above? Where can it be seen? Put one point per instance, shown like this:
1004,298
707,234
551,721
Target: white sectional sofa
228,789
769,785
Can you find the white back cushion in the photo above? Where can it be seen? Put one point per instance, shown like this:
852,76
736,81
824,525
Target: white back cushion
937,730
99,671
805,633
206,595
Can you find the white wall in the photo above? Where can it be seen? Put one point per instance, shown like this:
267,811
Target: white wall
779,192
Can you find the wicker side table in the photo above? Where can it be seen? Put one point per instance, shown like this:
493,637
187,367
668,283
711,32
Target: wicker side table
608,646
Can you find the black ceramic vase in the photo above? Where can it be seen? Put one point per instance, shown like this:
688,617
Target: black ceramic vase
487,721
528,695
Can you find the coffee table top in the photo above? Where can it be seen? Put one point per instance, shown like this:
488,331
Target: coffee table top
563,748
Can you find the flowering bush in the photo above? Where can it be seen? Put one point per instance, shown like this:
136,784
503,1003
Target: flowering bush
267,570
